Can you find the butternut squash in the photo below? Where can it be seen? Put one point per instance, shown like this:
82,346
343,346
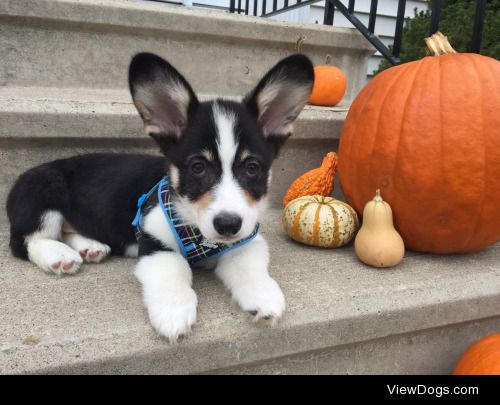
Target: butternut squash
377,243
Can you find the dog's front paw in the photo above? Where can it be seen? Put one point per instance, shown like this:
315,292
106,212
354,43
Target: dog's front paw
174,313
265,302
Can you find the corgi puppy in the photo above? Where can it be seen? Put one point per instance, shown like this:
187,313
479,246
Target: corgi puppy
200,203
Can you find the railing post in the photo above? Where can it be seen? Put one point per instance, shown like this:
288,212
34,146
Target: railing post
477,31
398,33
328,16
436,10
373,16
232,4
350,6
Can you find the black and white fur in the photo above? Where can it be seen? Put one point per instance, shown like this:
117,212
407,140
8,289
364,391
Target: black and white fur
218,156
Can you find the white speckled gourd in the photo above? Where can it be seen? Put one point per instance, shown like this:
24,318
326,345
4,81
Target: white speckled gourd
320,221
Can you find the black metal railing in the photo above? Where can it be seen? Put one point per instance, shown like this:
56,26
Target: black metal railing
263,8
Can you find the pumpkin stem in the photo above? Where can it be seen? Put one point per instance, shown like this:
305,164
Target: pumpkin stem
438,44
328,59
378,197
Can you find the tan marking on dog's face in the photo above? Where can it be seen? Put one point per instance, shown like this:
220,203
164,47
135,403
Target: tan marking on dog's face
202,203
250,199
244,155
207,155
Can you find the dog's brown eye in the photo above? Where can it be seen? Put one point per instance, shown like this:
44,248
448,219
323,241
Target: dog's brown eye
198,168
252,168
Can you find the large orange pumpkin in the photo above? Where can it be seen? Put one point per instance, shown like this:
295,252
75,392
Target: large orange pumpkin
483,357
427,133
329,86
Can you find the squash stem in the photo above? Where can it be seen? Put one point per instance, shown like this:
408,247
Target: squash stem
438,44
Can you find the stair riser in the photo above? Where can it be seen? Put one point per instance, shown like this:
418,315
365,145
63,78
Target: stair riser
435,351
18,155
54,44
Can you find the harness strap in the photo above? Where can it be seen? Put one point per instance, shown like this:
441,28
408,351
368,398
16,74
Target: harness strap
192,245
142,199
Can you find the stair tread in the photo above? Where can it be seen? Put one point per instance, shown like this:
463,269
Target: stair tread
15,98
54,108
95,321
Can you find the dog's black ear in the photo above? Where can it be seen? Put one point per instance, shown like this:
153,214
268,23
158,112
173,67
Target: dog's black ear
162,96
280,97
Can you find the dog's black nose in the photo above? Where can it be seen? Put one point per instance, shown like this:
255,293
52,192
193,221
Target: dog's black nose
227,224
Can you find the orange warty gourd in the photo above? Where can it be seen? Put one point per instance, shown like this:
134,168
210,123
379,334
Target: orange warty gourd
427,134
483,357
317,181
329,86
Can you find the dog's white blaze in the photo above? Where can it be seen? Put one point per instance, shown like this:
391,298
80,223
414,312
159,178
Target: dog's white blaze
228,195
226,143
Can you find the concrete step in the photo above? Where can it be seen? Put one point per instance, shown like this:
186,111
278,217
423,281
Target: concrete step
41,124
45,112
342,317
89,44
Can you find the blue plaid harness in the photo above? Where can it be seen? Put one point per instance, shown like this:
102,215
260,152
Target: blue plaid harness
192,244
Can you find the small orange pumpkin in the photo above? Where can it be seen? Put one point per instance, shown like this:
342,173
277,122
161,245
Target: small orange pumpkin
483,357
317,181
329,86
